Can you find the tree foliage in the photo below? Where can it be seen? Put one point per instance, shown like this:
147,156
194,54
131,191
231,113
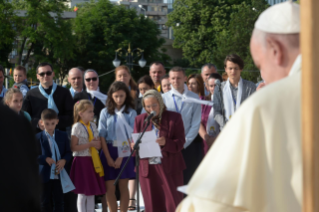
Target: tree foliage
102,27
208,30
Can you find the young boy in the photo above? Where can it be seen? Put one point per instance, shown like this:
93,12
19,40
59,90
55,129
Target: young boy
50,165
19,77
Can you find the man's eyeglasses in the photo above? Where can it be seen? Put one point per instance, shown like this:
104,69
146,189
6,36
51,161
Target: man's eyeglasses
48,73
89,79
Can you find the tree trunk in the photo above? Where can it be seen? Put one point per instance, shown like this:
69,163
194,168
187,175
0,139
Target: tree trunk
21,50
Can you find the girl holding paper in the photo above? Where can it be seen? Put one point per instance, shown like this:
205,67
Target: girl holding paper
160,177
116,127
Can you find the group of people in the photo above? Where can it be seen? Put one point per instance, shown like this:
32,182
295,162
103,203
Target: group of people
93,125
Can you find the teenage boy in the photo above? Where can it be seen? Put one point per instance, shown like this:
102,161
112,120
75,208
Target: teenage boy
20,79
54,143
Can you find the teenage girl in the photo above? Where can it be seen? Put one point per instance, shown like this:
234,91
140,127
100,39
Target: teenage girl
118,112
86,171
14,100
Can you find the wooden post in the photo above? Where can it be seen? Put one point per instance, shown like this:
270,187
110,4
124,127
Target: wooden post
310,103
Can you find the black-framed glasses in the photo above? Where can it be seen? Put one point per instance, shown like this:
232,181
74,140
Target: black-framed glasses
89,79
48,73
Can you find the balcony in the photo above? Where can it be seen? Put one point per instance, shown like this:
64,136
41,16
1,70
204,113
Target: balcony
156,12
151,1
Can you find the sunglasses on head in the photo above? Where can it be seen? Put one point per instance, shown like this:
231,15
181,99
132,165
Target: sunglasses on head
48,73
89,79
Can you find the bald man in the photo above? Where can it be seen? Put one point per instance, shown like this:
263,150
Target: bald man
75,78
256,162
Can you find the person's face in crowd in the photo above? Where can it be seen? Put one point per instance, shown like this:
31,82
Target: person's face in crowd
75,79
233,71
177,79
211,85
206,72
91,81
143,87
45,76
119,98
151,104
1,79
50,125
19,76
156,73
166,85
123,76
16,102
87,115
192,85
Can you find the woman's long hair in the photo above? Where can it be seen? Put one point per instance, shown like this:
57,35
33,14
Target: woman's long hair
132,82
80,107
111,105
200,83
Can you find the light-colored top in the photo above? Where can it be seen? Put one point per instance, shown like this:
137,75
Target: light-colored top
256,162
191,113
79,131
107,124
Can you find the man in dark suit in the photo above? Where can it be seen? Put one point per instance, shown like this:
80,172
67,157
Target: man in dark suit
39,98
19,181
47,139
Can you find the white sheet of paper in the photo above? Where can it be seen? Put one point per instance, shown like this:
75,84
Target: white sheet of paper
182,189
148,147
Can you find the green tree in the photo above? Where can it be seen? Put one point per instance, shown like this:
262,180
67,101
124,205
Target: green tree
200,26
8,34
43,33
101,28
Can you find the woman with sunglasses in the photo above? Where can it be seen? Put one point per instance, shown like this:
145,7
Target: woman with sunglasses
93,93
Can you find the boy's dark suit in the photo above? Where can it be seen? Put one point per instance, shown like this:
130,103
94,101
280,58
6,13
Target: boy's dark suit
52,187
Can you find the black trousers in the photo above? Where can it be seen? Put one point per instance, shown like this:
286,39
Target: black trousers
52,190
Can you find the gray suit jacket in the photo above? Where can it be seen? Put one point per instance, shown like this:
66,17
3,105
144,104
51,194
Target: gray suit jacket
248,89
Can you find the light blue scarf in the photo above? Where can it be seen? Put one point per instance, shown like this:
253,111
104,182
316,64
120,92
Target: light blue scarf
3,92
72,92
66,182
51,103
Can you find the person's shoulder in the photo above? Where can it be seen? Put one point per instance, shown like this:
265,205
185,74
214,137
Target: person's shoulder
38,135
171,114
249,83
192,94
33,91
63,90
61,134
141,117
167,94
81,95
131,110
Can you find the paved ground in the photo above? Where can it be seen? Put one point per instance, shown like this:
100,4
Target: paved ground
141,204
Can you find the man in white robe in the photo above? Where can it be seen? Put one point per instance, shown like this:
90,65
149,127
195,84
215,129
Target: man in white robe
256,162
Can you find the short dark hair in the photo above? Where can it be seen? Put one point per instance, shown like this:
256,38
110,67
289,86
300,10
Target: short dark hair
178,69
20,68
164,77
111,105
235,59
49,114
215,76
44,64
209,65
2,69
147,80
157,63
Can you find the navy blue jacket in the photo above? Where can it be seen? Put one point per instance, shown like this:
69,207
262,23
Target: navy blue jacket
63,143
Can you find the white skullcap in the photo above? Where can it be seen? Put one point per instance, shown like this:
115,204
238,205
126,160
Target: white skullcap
283,18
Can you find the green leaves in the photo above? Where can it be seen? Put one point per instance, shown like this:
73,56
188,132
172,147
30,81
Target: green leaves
208,30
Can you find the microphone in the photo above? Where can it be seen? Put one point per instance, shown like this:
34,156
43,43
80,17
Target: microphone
151,115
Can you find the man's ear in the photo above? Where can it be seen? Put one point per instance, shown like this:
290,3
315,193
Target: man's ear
41,122
57,121
277,50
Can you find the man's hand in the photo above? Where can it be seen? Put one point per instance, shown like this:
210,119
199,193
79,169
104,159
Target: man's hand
60,164
161,141
50,161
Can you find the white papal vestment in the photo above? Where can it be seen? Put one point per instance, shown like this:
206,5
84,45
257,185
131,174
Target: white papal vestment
256,162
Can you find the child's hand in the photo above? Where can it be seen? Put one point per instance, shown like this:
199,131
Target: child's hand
132,145
60,164
110,162
50,161
118,163
96,143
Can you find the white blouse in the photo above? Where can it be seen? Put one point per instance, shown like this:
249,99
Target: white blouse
79,131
